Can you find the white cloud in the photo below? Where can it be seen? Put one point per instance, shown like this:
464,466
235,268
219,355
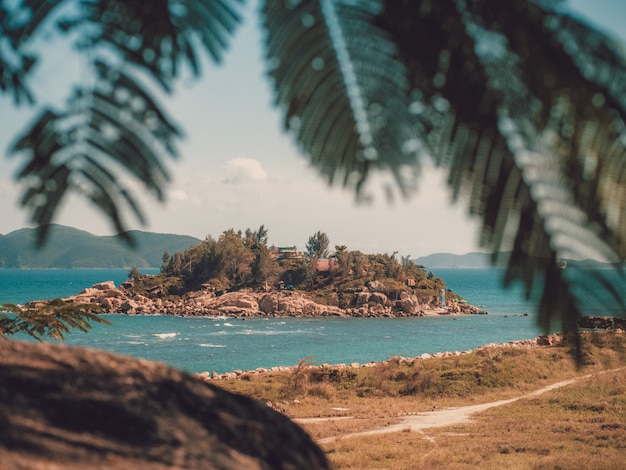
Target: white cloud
243,170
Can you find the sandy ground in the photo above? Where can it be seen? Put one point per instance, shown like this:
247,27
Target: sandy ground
444,417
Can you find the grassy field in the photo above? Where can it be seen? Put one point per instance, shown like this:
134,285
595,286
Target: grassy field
580,425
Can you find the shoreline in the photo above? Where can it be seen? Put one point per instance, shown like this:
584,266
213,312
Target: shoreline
368,302
238,374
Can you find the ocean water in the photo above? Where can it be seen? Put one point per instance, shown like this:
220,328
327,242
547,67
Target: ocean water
224,344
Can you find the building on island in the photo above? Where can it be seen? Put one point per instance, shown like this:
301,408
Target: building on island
285,252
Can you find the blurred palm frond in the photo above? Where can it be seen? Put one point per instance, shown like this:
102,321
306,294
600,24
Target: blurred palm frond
115,123
521,101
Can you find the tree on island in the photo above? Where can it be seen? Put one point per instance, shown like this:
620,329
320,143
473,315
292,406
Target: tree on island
317,246
344,274
521,101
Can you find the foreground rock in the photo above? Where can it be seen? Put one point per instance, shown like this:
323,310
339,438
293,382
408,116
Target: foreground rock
369,301
71,408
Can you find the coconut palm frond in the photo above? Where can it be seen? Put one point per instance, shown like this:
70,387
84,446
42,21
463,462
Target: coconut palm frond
53,319
114,125
15,64
213,22
156,36
522,102
341,89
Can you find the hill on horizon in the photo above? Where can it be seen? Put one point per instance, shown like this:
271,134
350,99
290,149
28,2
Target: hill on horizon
449,260
69,247
478,260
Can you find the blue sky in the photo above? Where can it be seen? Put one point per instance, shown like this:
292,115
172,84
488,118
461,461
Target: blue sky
239,169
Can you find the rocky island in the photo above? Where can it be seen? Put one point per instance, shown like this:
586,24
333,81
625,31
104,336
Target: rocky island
370,300
239,274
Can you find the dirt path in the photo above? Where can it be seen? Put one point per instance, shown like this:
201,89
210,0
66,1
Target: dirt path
449,416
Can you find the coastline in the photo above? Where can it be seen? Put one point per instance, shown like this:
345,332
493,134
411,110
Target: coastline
369,302
538,342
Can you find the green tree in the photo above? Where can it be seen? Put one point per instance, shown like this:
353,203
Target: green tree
357,263
317,246
341,254
521,101
134,273
234,258
264,268
256,238
165,261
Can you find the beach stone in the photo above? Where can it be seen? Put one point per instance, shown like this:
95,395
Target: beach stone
106,285
379,298
75,408
376,286
268,303
408,304
87,291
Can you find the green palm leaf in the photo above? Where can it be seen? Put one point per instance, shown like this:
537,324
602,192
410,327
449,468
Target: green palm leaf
15,64
116,123
338,101
53,319
523,103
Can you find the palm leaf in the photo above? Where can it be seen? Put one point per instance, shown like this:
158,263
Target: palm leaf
115,125
522,102
15,64
339,90
54,319
158,35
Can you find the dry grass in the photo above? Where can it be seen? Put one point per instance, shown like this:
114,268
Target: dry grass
582,425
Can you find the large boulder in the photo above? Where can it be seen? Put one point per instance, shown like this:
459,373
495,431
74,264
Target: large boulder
106,285
268,303
377,286
408,304
75,408
240,300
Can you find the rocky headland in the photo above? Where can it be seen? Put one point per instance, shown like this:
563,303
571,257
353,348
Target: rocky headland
370,300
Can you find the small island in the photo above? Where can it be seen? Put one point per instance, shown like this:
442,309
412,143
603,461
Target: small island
239,275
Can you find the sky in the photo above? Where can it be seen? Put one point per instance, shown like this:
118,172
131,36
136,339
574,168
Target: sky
239,169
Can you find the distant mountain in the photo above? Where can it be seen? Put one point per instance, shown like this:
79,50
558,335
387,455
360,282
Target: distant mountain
68,247
476,260
449,260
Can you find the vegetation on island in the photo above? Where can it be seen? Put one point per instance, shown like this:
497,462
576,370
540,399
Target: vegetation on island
238,260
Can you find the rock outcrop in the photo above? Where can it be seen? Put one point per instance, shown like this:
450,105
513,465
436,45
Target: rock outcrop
369,301
602,323
74,408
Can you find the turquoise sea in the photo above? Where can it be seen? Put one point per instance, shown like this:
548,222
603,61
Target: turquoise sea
224,344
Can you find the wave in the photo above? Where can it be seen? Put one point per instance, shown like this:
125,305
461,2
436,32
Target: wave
164,335
269,332
209,345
